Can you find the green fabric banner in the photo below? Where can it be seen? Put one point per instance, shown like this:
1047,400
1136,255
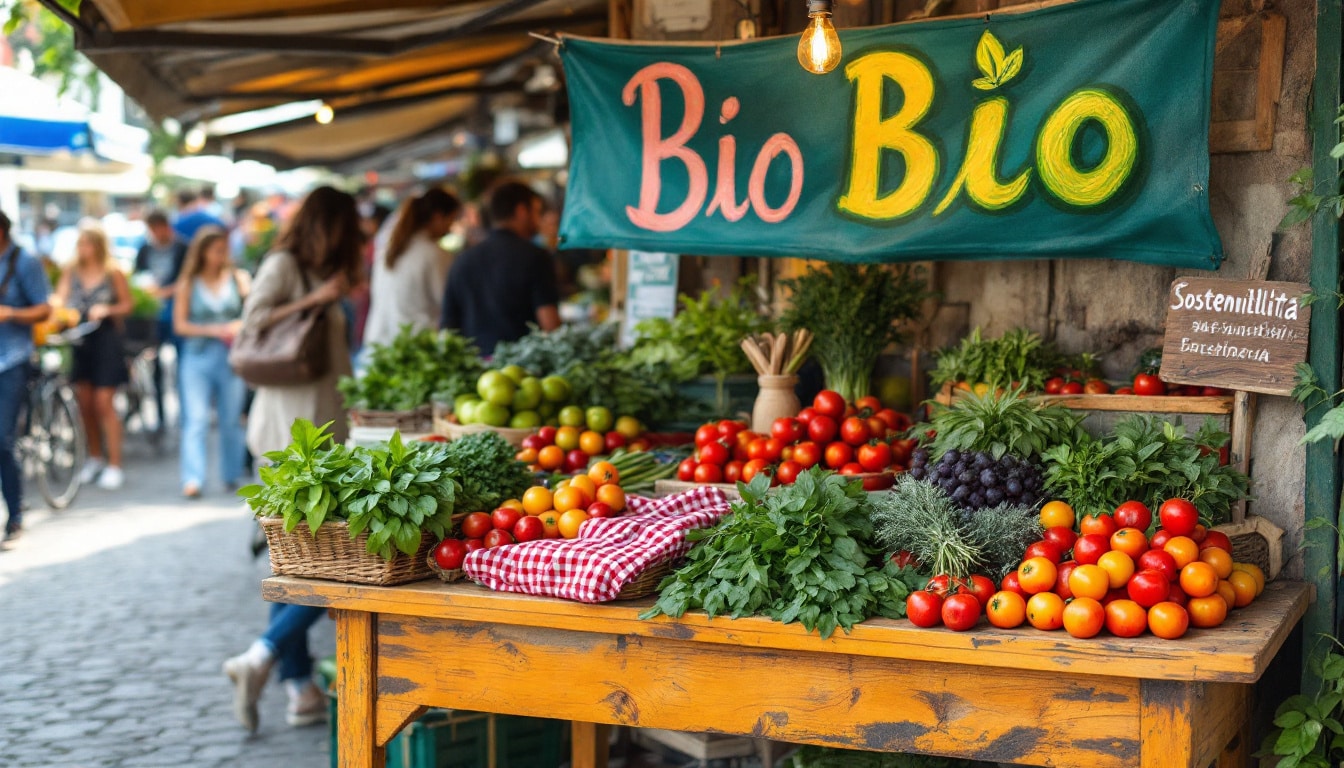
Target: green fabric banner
1078,130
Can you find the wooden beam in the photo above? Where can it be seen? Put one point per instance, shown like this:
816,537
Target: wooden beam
140,14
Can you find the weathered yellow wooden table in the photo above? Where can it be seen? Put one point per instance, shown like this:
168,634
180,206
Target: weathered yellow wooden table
1019,696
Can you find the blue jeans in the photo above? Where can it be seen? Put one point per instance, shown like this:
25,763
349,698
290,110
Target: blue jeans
13,391
287,637
206,377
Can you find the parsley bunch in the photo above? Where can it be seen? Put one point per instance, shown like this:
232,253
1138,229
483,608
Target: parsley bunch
484,463
403,375
803,553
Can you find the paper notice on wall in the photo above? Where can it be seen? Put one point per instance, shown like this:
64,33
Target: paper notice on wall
651,290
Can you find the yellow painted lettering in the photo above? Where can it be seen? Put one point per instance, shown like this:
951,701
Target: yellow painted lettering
978,175
1054,149
874,136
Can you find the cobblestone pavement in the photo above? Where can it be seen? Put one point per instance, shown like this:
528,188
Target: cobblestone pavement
114,618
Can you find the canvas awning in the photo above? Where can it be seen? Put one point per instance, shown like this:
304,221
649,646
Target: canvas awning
393,71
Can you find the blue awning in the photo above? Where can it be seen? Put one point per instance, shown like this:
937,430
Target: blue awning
31,136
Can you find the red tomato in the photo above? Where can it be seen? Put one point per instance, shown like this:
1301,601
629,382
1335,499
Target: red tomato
476,525
614,440
474,544
852,468
1071,388
1101,524
753,468
1131,541
822,429
1047,549
787,472
1149,385
450,553
1178,516
903,559
874,458
876,427
806,415
1199,533
1115,594
1089,548
1062,580
534,442
1162,562
838,455
708,473
868,403
983,588
732,471
1061,536
773,449
728,427
547,435
854,431
715,453
888,417
505,518
1133,514
1178,596
1054,386
599,509
961,611
1126,618
1096,387
497,538
1011,583
1148,588
576,460
529,528
828,403
924,609
1125,391
807,454
1160,539
708,433
787,430
938,584
757,448
1216,539
686,470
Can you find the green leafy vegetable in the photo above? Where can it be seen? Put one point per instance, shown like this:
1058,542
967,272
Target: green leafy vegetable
1018,358
704,337
416,366
1002,423
853,312
1309,730
487,470
801,554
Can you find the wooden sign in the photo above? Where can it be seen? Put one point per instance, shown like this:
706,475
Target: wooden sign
1235,334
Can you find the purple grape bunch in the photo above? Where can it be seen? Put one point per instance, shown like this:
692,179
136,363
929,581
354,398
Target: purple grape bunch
976,480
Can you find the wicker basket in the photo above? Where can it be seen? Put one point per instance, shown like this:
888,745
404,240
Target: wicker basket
418,421
1258,541
332,554
514,437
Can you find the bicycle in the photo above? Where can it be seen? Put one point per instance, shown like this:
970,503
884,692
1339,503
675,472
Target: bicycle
49,443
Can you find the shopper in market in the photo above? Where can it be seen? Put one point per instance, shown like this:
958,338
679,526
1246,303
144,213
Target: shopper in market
409,272
495,289
23,302
192,214
159,261
102,296
207,315
314,264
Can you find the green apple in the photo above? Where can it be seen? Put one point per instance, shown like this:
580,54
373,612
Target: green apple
499,390
492,414
572,416
465,397
525,420
466,410
528,396
515,373
555,389
599,419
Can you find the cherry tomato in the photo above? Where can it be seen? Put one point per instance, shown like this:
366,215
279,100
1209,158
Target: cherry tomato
787,430
1148,588
1149,385
1163,563
505,518
1160,539
1096,387
1006,609
1061,536
476,525
715,453
753,468
875,457
1045,610
982,587
822,429
806,415
728,427
474,544
1216,539
1071,388
828,403
1168,620
1089,581
1131,541
787,472
686,470
807,454
1178,516
1011,583
924,608
904,558
1133,514
1124,391
1054,386
1047,549
1101,524
732,471
450,553
961,611
877,428
939,584
868,403
888,417
1037,574
1062,587
1126,618
773,450
1089,548
854,431
706,434
1084,617
838,455
852,468
708,473
497,538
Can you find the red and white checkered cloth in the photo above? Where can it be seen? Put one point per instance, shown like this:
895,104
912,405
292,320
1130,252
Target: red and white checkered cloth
608,553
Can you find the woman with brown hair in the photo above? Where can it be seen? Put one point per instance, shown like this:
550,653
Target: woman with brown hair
207,312
409,273
101,295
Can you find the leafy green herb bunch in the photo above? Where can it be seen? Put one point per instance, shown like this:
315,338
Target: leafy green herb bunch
417,365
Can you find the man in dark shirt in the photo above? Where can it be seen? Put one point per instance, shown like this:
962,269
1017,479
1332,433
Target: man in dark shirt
497,287
161,259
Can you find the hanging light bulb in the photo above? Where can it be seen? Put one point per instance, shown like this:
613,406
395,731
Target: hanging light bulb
819,47
325,114
194,141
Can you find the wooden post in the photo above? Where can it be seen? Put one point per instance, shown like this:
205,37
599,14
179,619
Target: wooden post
1242,428
591,744
1166,725
356,690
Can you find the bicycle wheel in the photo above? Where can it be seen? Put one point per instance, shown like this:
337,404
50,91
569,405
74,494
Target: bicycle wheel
61,446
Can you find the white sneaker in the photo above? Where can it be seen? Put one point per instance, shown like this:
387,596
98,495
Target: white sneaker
248,681
307,708
92,468
111,479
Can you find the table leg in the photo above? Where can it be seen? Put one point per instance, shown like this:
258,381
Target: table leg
591,744
1166,724
1237,753
357,690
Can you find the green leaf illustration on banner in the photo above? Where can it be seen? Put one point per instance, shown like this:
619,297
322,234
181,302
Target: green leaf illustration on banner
996,66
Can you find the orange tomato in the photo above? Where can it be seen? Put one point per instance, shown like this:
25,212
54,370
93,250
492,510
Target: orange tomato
1245,586
1207,612
1126,618
1168,620
513,504
1219,559
587,487
1182,549
567,499
612,496
1056,513
1037,575
1118,566
551,521
1046,611
1091,581
603,473
1006,610
1255,571
592,443
527,456
567,438
551,457
1084,617
1100,524
537,499
1131,541
1227,592
1199,579
570,522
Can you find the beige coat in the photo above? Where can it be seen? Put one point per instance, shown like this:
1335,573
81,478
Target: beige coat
275,408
